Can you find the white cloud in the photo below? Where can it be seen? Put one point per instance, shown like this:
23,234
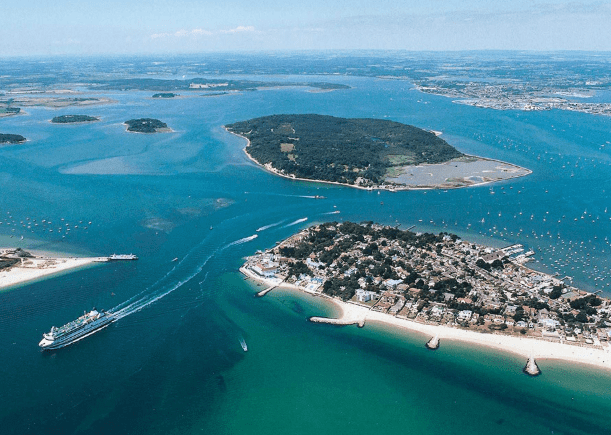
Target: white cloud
239,29
183,33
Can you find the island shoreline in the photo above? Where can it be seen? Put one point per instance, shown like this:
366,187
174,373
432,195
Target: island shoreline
397,188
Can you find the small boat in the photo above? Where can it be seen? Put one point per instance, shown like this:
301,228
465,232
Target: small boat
243,344
175,259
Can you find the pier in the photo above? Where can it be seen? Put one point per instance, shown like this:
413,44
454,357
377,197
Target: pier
265,291
433,343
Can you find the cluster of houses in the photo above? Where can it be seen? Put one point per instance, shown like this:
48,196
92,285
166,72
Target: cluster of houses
507,297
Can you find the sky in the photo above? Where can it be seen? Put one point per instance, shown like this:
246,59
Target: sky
43,27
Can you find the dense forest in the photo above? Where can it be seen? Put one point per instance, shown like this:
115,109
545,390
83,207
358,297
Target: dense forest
352,151
69,119
145,125
11,138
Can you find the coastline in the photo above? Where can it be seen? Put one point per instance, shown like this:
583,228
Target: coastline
269,168
356,314
41,267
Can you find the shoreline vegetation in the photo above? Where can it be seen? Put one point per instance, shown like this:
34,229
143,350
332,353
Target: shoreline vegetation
147,125
18,266
441,287
368,154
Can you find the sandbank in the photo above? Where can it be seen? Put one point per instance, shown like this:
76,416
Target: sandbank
40,267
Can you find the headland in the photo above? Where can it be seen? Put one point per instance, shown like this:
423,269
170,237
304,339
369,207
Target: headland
440,286
18,266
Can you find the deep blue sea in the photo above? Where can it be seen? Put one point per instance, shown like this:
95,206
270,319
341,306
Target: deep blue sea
174,365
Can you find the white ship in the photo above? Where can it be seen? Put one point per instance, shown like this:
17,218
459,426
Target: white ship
76,330
114,257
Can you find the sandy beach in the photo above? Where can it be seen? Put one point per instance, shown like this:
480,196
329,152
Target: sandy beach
38,267
540,349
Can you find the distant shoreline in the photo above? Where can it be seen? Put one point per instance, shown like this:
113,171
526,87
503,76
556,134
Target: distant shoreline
391,188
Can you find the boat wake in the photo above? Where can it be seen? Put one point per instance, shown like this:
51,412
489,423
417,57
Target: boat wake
162,287
298,221
267,227
240,241
147,300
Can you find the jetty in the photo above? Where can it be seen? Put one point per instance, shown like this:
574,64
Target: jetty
265,291
340,322
531,368
433,343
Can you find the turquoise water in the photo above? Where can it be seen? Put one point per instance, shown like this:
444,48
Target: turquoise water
175,365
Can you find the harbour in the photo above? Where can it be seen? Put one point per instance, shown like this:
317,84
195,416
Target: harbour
127,379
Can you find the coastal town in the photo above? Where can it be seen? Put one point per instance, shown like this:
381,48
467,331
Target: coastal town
435,279
516,96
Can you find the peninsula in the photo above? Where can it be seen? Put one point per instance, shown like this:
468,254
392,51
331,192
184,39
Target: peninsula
441,286
11,138
18,266
364,153
147,125
74,119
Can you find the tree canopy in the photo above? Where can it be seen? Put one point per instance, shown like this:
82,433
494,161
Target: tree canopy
342,150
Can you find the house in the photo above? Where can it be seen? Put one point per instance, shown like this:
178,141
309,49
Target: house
365,296
464,315
397,306
392,283
267,269
437,311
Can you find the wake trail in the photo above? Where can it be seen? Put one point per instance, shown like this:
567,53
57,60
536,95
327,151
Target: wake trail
240,241
130,302
267,227
150,299
133,306
298,221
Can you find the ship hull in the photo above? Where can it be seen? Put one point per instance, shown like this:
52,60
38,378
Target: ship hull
74,337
